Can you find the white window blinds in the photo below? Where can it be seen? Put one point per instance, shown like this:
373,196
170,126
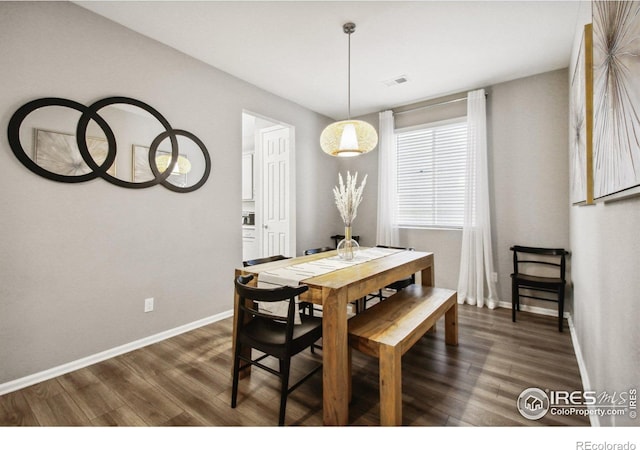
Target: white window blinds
431,174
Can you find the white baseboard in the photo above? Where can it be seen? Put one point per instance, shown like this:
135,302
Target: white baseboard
39,377
535,310
586,384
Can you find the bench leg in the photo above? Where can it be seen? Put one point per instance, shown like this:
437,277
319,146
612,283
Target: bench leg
390,386
451,325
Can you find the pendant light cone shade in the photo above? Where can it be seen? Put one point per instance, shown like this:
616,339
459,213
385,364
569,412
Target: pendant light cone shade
348,137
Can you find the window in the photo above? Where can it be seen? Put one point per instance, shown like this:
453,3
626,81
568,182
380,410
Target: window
431,174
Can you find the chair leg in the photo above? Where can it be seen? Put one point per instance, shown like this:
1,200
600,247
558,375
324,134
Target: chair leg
514,300
285,365
560,308
236,376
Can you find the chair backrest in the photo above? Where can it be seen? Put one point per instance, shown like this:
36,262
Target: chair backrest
313,251
256,295
537,257
254,262
338,237
397,248
413,275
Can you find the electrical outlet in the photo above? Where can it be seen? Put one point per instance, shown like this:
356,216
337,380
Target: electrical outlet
148,304
494,277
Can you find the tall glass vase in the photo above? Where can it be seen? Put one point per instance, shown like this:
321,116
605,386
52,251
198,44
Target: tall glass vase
348,247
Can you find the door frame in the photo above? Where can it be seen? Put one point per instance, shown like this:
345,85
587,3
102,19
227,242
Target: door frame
258,169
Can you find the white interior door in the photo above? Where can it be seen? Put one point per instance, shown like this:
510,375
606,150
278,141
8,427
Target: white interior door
276,216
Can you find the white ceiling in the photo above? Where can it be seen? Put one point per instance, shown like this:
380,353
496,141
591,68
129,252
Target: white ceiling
297,49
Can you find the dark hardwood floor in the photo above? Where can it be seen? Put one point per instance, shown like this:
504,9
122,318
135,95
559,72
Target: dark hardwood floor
186,381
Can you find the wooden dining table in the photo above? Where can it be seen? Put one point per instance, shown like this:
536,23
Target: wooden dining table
334,291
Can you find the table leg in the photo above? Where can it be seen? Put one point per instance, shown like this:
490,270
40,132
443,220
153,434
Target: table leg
335,358
428,279
427,275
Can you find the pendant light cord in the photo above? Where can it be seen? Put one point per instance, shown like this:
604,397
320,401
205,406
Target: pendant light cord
349,28
349,81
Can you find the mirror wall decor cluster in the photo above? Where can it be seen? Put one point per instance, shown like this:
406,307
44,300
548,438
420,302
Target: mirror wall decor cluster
120,139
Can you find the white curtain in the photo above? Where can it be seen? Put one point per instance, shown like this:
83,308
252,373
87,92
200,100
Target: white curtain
387,231
475,285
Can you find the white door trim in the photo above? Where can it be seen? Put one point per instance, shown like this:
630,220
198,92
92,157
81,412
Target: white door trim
292,181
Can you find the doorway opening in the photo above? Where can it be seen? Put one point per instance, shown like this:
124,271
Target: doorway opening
268,187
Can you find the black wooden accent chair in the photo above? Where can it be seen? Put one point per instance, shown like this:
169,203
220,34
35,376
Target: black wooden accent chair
525,262
275,336
255,262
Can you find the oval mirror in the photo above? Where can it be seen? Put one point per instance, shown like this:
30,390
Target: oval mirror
135,125
42,136
192,167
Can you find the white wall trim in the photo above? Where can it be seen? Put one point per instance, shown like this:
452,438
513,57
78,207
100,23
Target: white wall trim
535,310
586,384
48,374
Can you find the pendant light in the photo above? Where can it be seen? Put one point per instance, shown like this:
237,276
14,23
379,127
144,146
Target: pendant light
348,137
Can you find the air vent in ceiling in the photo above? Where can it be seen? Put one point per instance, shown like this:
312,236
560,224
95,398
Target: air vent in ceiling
400,79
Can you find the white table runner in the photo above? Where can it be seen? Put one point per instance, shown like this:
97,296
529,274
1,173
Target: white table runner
292,275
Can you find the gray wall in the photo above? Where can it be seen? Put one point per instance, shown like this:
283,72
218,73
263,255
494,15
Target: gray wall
79,259
606,260
529,166
606,249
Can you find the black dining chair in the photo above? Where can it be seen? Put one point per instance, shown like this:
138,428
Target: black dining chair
255,262
338,237
316,308
396,285
313,251
527,275
274,336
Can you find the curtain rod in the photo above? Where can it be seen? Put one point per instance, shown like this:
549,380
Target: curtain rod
455,100
430,106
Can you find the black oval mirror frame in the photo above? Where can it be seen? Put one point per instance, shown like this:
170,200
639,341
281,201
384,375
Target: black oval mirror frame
91,113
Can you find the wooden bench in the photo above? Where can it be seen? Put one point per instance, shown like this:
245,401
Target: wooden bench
390,328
